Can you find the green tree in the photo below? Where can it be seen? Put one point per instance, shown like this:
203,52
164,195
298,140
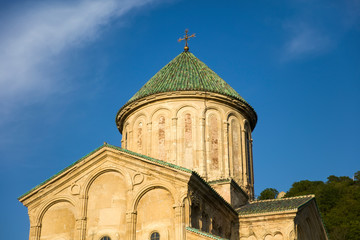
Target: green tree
268,193
357,177
339,203
304,187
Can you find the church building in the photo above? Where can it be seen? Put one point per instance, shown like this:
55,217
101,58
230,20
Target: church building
184,171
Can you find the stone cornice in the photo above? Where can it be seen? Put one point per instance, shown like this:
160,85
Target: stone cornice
288,214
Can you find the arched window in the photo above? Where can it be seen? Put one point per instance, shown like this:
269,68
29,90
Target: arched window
155,236
105,238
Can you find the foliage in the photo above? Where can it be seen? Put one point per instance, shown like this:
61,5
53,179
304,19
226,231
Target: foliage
357,177
339,204
268,193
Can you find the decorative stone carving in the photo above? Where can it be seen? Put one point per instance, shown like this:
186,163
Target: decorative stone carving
138,179
75,189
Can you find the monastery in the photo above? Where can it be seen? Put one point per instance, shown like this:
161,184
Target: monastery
184,171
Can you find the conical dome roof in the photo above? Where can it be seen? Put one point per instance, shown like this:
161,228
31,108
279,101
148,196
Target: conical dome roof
186,73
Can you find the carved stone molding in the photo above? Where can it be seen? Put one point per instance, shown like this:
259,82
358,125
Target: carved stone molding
75,189
138,178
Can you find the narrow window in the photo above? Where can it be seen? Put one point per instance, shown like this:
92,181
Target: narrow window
106,238
155,236
126,140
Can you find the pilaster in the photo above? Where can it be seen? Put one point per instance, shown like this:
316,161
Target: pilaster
179,222
34,233
148,140
131,225
81,222
243,158
251,168
226,149
202,148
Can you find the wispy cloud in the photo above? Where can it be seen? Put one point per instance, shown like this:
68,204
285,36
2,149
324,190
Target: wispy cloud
316,26
33,37
305,40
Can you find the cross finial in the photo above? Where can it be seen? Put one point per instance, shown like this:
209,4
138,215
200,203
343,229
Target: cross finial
186,38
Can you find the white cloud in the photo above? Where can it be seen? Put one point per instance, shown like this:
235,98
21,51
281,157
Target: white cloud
317,26
306,40
32,38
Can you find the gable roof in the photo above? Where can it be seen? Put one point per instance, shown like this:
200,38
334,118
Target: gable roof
186,73
274,205
167,164
209,235
113,147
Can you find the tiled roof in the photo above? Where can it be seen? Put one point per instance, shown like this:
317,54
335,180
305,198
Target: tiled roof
274,205
113,147
186,73
209,235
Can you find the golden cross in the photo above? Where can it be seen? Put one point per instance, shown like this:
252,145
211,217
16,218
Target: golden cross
186,38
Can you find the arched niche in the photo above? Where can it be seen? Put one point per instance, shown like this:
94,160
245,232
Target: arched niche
186,204
186,137
214,144
125,136
155,212
248,152
106,205
161,134
58,221
235,153
140,134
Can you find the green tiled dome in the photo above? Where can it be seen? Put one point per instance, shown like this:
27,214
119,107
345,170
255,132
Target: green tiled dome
186,73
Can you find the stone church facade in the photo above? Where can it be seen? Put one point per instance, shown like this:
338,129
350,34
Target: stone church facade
184,171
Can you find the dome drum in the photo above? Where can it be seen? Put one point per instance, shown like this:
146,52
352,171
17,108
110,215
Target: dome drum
200,131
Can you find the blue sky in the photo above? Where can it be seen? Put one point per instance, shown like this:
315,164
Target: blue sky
66,67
